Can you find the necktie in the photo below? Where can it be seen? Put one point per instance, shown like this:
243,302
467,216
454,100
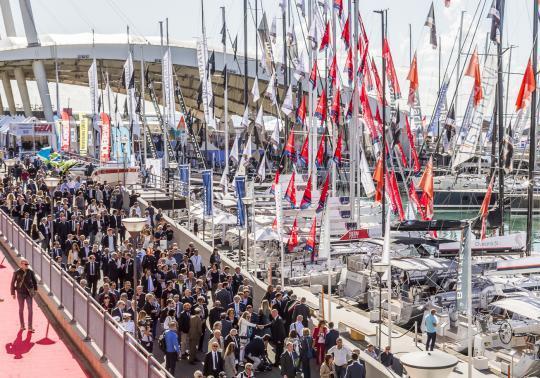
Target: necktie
91,269
215,361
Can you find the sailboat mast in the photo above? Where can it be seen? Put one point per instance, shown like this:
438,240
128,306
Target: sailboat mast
245,55
532,134
225,97
383,154
500,114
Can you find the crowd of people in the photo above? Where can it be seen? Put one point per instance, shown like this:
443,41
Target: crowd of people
166,297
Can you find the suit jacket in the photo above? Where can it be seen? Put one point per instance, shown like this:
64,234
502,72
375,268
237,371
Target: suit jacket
214,315
209,365
355,370
195,328
277,328
97,272
26,224
241,306
224,296
184,321
144,283
127,273
301,309
113,272
288,368
105,241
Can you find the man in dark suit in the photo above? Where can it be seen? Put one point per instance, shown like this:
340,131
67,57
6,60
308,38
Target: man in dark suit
92,273
277,329
302,309
43,227
184,320
355,369
287,362
215,313
223,295
237,306
127,269
61,229
114,268
279,304
331,337
26,223
213,361
109,240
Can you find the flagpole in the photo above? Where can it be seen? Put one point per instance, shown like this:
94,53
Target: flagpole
312,131
143,117
357,135
225,100
532,134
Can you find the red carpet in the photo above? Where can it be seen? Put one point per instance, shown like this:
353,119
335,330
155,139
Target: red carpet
41,354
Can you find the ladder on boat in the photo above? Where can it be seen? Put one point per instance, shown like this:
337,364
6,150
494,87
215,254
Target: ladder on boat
168,147
189,126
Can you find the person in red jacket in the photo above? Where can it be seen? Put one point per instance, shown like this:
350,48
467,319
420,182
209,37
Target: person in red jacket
319,337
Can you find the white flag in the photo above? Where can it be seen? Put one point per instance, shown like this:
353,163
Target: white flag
283,4
263,61
300,69
224,178
129,83
234,151
94,87
273,30
245,118
365,177
288,105
262,168
255,89
313,35
301,4
275,133
259,121
246,154
271,90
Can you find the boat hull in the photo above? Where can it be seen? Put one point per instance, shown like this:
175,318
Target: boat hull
116,175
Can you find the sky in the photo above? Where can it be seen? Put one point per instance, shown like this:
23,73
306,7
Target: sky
112,16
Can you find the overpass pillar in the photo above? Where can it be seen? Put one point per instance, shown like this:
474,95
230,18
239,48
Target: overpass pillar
6,82
43,88
23,90
8,18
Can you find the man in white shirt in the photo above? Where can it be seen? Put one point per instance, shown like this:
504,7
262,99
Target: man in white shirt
196,260
341,354
298,326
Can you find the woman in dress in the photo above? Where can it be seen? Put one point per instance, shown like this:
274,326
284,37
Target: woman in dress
229,361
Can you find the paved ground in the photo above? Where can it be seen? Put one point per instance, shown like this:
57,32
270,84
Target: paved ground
41,354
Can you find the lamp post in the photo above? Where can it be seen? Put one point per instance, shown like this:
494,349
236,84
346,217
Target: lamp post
134,226
51,182
173,167
380,268
247,202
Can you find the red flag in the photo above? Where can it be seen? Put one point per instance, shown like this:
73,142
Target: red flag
335,110
290,194
414,198
348,115
332,71
301,112
378,178
366,111
398,205
413,79
426,184
293,238
310,243
313,75
66,134
528,85
319,160
391,70
325,40
274,224
276,182
346,33
324,194
473,70
377,81
306,198
412,148
349,66
484,210
338,5
105,149
363,29
337,152
320,112
304,152
290,150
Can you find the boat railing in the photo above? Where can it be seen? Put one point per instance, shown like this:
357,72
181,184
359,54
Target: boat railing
118,347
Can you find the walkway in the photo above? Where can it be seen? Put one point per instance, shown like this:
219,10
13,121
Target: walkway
42,354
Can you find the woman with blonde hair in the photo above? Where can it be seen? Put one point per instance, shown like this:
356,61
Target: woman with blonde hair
73,254
244,332
229,361
264,315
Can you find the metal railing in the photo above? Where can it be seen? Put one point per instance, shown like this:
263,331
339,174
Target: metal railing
119,347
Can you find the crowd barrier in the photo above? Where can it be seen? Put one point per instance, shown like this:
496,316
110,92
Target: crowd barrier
117,347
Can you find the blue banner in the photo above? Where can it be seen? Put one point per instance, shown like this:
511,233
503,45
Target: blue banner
184,173
441,101
207,192
464,271
121,146
240,185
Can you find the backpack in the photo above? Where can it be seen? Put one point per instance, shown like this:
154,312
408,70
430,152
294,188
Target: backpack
162,343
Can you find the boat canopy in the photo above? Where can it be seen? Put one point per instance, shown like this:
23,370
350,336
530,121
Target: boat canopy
527,307
431,225
420,264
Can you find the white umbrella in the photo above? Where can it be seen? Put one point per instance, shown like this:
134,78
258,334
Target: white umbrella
225,218
266,234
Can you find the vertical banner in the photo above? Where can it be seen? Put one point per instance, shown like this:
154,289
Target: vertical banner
240,185
464,270
184,173
441,100
105,145
94,87
66,132
206,84
208,192
83,135
129,83
168,90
